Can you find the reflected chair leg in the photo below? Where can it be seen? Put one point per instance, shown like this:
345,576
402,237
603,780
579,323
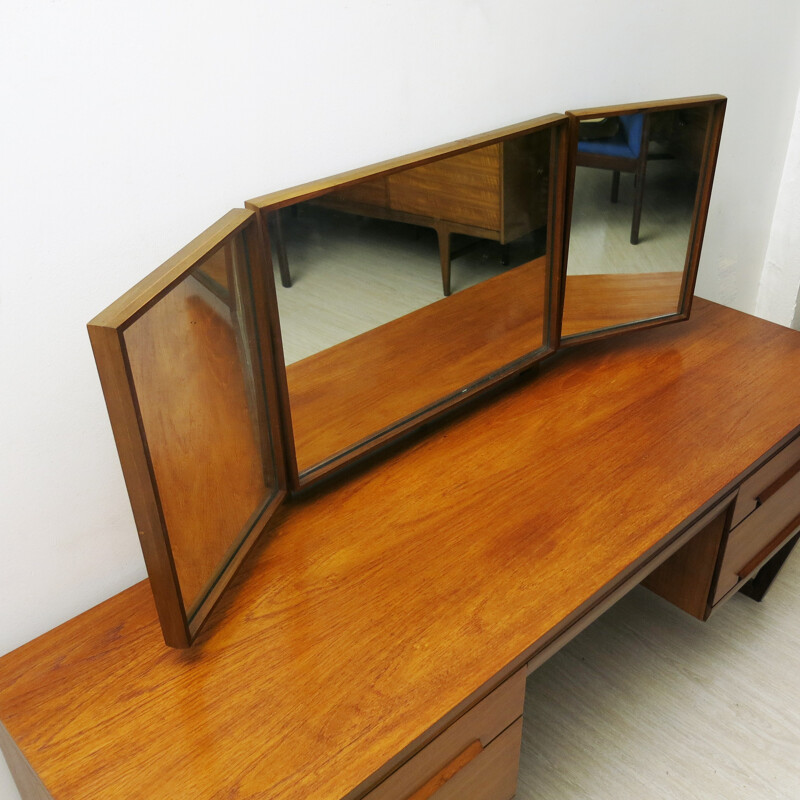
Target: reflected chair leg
615,186
280,246
504,254
637,204
444,257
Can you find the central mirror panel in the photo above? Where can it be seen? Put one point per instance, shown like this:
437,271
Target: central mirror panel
642,179
409,286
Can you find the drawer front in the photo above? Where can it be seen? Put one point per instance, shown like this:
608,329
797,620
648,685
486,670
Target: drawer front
759,487
464,189
476,757
761,533
372,192
492,775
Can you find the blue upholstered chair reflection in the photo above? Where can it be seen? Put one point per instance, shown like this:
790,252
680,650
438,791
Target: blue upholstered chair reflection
623,151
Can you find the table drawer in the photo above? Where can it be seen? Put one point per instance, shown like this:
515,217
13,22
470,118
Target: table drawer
762,532
760,486
476,757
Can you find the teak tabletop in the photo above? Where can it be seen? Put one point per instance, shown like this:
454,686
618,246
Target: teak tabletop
374,610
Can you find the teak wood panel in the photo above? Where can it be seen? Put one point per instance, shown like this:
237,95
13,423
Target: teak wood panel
763,483
339,397
438,761
463,188
376,612
491,775
686,578
759,535
373,192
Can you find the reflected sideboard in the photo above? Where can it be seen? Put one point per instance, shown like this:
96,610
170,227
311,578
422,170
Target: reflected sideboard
376,641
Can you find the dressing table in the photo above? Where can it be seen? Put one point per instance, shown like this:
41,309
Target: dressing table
348,627
377,613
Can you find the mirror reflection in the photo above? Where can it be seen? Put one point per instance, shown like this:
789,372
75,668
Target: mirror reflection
191,356
636,185
408,289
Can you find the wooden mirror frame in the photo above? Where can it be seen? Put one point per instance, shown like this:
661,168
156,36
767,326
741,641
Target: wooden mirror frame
716,105
405,422
182,618
151,422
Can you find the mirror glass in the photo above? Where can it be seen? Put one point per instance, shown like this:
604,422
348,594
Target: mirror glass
410,288
636,188
192,357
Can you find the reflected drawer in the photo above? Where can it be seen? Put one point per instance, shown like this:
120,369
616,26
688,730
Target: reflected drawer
775,519
476,757
373,192
463,188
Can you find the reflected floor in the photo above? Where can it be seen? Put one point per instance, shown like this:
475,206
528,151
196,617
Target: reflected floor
352,273
600,233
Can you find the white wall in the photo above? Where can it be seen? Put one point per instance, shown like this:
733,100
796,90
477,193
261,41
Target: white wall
779,292
128,128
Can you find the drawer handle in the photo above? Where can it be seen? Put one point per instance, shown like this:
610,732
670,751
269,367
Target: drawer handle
764,552
448,771
778,483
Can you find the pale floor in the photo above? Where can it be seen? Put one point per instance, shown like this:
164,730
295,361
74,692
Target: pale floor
600,232
353,273
650,703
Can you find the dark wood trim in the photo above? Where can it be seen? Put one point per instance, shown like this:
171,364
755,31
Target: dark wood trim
130,306
116,381
557,221
700,216
671,104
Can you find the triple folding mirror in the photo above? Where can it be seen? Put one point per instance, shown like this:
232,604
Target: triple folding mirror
402,289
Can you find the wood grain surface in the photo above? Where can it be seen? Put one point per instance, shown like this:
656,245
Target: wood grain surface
686,578
378,610
463,188
349,392
598,302
201,429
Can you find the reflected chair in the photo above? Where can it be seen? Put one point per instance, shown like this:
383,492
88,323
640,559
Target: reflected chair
625,151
